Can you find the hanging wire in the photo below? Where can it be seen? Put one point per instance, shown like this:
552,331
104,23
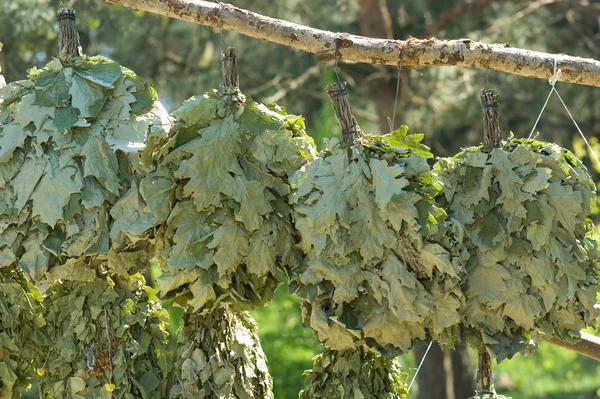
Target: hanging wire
552,82
336,69
540,115
487,82
221,27
392,122
555,77
337,61
418,368
578,129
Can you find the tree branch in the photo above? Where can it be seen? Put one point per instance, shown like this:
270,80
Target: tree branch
329,46
589,345
294,84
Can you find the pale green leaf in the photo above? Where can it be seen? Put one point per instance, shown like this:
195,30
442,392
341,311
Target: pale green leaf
387,181
28,113
101,162
53,193
199,110
435,256
254,203
566,202
87,97
12,137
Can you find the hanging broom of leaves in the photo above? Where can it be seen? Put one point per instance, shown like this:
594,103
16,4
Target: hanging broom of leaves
21,321
525,207
220,190
74,138
220,356
108,339
354,373
382,264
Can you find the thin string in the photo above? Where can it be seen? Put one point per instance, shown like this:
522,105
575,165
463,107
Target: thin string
540,115
337,61
419,368
221,27
552,81
578,129
487,82
393,121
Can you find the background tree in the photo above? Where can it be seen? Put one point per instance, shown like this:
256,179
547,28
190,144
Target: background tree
182,59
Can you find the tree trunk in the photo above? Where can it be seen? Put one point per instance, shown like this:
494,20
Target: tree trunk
435,381
447,374
464,371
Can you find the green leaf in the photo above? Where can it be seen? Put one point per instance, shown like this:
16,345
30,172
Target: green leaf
34,261
11,138
258,118
488,281
369,233
199,110
401,140
87,97
28,113
53,192
387,181
131,215
230,242
158,192
523,310
129,136
149,381
51,90
253,203
202,293
101,163
26,180
65,119
566,202
101,71
214,153
72,269
435,256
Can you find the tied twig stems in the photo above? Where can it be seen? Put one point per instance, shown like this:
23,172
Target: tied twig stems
492,128
229,68
341,107
68,41
485,383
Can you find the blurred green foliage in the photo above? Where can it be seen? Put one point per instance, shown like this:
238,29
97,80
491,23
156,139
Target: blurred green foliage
289,347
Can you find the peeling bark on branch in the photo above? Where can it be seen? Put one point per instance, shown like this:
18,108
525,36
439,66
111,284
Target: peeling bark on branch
329,45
